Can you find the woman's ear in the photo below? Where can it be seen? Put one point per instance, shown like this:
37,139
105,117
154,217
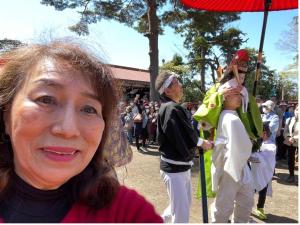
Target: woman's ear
6,119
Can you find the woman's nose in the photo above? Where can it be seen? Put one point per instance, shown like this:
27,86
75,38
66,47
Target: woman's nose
66,124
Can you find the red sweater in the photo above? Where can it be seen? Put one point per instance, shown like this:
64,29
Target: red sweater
127,207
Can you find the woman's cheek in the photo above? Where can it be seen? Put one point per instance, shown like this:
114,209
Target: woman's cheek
94,131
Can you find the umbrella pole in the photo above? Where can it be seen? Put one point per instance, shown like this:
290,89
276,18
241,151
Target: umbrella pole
261,45
203,186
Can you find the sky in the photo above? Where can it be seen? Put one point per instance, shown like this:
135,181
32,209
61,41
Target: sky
29,21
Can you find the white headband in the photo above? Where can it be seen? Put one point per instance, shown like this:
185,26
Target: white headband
167,83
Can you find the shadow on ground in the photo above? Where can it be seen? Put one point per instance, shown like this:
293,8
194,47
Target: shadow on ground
277,219
281,177
149,151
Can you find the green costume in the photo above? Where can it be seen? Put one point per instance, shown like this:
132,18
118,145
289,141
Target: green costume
208,116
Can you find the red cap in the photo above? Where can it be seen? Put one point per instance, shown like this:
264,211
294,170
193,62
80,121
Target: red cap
240,56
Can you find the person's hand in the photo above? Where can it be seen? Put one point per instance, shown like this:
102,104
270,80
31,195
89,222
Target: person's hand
230,91
207,145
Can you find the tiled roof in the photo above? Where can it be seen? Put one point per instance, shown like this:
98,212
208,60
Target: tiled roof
130,73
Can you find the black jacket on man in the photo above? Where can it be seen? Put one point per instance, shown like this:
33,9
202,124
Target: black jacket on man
176,137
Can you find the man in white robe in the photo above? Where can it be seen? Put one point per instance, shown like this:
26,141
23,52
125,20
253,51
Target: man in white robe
231,175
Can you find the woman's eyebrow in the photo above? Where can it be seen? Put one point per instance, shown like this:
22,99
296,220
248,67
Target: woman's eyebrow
90,95
53,83
49,82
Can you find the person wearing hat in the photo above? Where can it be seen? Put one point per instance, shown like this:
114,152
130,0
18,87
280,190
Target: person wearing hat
269,115
208,113
177,141
232,82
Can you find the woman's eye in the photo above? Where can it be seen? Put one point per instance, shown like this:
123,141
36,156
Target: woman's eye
89,110
47,100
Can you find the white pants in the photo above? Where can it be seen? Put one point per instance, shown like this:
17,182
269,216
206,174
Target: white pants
179,188
232,197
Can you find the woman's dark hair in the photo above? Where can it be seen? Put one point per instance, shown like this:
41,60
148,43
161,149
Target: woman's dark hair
97,184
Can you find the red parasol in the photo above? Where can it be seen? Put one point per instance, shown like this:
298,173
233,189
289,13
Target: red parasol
245,6
240,6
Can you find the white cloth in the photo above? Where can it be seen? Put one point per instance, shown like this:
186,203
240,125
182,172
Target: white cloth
263,171
231,176
200,142
167,83
179,188
233,197
232,148
189,163
232,84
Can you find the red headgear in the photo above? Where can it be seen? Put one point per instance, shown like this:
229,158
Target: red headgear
240,58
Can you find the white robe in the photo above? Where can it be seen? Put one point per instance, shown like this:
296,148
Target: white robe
231,176
232,149
263,171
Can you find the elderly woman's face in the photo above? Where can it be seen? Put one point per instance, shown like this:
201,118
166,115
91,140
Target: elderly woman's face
55,124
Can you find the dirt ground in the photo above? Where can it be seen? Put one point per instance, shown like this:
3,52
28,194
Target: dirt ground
142,174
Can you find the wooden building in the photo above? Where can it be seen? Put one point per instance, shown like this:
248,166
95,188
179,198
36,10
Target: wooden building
133,81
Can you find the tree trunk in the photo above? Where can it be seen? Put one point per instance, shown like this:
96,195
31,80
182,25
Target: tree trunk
202,73
213,74
153,47
282,93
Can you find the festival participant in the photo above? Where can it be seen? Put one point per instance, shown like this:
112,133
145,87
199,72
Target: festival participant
263,170
233,80
208,113
58,133
177,141
231,176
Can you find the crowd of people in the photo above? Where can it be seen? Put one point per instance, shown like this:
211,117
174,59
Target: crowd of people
139,120
61,140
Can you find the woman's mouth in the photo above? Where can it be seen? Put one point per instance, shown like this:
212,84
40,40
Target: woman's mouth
63,154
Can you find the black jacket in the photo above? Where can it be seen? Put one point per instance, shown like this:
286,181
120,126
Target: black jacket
176,137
